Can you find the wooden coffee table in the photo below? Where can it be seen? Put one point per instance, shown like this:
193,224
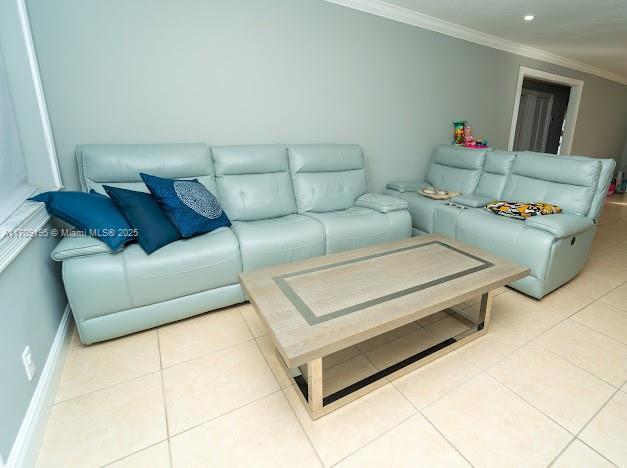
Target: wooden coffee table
316,307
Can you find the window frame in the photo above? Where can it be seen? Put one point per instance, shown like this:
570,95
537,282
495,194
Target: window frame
40,158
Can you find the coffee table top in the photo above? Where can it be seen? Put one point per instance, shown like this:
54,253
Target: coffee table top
317,306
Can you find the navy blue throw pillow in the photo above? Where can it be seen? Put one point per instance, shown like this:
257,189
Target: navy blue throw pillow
154,229
191,207
93,213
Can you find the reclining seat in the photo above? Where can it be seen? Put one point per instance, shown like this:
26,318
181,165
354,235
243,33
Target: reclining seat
451,168
494,177
255,190
554,247
331,187
113,294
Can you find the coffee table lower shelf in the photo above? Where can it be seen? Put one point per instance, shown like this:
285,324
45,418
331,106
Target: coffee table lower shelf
311,385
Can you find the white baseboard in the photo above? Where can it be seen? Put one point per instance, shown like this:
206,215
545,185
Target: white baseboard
24,451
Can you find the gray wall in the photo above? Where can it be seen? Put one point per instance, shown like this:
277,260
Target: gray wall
32,305
262,71
32,295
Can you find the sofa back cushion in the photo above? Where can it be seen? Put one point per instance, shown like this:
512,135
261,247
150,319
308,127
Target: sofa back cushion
327,177
120,165
567,182
605,177
496,170
455,169
253,181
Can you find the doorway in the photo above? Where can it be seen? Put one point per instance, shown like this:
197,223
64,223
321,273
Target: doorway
545,112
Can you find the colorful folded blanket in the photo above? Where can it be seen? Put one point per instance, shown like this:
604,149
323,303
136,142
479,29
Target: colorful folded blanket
520,210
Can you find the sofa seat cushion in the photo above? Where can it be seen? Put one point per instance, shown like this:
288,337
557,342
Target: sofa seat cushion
508,237
381,203
278,240
184,267
353,228
420,208
107,283
560,225
471,200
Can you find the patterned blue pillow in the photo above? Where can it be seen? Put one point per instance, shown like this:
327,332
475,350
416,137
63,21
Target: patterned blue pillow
191,207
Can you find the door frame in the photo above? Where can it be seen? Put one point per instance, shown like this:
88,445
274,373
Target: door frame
576,88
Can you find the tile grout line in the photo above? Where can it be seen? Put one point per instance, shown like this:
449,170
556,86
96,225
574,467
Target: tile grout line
361,353
213,418
596,451
148,373
217,350
418,411
133,453
281,389
576,435
165,406
445,438
597,412
376,438
573,363
559,454
311,444
530,340
516,394
600,332
106,387
242,405
502,357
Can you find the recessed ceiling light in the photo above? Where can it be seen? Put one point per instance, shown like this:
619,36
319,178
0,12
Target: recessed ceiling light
528,17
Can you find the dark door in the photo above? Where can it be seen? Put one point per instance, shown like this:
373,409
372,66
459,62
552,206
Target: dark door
541,116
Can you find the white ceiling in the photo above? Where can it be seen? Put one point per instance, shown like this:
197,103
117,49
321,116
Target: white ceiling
593,32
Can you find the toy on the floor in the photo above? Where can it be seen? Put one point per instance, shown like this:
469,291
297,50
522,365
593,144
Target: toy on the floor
462,135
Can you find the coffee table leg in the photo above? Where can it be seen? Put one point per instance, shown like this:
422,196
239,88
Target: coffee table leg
485,311
314,386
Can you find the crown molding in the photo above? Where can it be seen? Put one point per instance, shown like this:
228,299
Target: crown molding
414,18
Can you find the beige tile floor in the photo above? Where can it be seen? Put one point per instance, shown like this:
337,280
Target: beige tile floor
547,385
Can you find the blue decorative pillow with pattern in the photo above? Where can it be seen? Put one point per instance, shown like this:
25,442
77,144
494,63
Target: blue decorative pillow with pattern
191,207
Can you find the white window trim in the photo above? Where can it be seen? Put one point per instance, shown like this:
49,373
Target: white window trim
24,224
576,89
30,217
39,92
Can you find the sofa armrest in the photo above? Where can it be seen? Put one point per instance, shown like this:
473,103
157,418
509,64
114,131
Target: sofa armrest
79,246
381,203
470,200
561,224
412,186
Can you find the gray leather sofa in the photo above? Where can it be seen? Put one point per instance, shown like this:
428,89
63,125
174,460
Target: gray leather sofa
285,202
554,247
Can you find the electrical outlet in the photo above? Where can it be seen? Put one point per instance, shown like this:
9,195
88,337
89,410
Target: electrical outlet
29,364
